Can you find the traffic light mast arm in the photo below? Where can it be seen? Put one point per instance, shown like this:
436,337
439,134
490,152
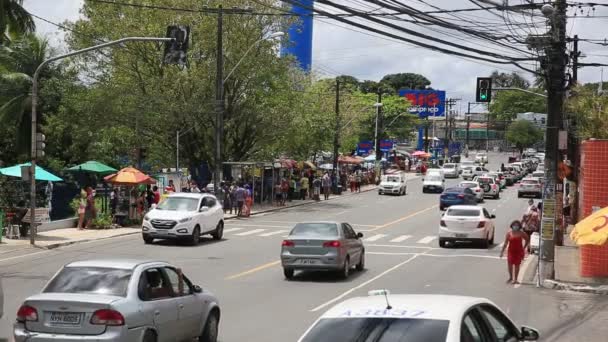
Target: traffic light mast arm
522,90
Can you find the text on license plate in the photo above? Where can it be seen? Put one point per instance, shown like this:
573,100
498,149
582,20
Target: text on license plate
65,318
461,235
309,261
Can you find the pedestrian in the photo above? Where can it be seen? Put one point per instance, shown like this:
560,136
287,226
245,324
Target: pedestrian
156,195
233,199
515,250
150,197
502,167
316,185
171,187
278,193
296,188
194,187
284,191
358,180
304,185
113,203
406,164
291,190
248,201
82,206
326,183
90,212
226,193
352,182
240,199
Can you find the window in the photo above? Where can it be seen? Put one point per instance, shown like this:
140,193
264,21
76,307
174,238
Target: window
178,204
468,191
92,280
349,233
499,325
463,212
173,277
486,213
209,202
153,284
471,330
315,229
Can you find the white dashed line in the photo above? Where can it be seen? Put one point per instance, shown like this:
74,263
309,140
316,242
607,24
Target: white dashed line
401,238
427,239
251,232
375,237
273,233
232,230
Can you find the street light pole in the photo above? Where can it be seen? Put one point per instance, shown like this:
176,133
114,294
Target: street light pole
219,100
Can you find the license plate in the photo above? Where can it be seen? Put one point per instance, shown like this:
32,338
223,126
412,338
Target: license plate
71,318
309,261
461,235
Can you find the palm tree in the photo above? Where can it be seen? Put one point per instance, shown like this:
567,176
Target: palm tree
17,66
14,20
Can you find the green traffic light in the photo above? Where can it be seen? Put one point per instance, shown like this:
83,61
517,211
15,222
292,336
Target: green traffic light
483,96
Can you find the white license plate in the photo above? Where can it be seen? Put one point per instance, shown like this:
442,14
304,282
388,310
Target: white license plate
461,235
64,318
309,261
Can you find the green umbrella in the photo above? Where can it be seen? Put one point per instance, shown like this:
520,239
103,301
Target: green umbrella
93,166
41,174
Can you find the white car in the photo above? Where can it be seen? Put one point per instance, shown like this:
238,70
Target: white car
540,167
469,173
530,186
393,184
121,301
540,175
451,170
489,185
467,223
433,182
481,158
474,186
430,318
184,216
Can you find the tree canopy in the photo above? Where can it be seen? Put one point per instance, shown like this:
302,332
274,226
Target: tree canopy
523,134
14,20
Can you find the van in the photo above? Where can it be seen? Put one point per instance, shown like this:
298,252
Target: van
394,183
433,181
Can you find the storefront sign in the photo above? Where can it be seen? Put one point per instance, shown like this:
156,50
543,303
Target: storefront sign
364,147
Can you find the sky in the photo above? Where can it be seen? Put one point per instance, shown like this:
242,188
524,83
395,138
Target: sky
342,50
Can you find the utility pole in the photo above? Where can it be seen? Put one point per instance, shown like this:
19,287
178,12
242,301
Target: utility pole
337,133
219,99
468,125
575,55
378,127
487,133
446,143
426,134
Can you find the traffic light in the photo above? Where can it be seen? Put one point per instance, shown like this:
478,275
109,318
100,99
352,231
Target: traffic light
177,49
40,145
484,89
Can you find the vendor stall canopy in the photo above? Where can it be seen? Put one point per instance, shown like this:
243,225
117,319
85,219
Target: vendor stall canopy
129,176
41,174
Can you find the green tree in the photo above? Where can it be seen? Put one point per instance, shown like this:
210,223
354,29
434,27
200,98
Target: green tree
507,104
405,81
523,134
14,20
590,111
512,80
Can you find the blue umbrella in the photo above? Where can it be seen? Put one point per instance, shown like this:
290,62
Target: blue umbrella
41,174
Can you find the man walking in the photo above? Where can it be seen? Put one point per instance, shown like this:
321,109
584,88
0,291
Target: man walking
326,182
240,199
304,187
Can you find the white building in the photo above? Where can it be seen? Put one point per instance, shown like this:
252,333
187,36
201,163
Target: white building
539,119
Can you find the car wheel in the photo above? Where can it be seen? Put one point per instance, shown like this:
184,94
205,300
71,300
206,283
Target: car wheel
149,336
441,243
497,196
484,243
148,239
219,231
288,273
518,195
361,264
441,208
491,242
346,269
424,190
211,329
196,236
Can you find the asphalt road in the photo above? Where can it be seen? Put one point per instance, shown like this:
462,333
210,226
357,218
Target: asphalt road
400,234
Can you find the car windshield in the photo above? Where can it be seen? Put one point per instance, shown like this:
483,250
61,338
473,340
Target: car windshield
93,280
467,185
529,181
179,204
484,180
434,178
371,329
449,166
462,212
393,179
315,229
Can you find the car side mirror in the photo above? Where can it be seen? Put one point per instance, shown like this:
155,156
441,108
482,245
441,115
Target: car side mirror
492,216
204,209
153,206
529,334
197,289
359,235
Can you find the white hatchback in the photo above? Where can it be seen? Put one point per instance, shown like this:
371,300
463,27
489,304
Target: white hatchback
184,216
467,223
474,186
430,318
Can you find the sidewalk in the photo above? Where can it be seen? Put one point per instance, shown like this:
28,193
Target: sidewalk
67,236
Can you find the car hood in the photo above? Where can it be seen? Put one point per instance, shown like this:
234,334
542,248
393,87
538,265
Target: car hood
157,214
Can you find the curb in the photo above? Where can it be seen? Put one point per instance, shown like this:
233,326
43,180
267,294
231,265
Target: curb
556,285
67,243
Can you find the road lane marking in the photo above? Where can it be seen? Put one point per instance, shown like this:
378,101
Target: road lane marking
403,218
375,237
401,238
426,239
228,230
251,232
522,271
253,270
363,284
273,233
24,255
402,246
243,224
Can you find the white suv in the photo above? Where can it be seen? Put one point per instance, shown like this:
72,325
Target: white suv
184,216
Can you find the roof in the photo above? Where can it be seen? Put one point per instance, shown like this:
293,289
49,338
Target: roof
112,263
468,182
465,207
405,306
190,194
323,222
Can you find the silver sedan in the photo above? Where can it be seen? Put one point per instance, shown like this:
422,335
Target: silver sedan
119,300
322,246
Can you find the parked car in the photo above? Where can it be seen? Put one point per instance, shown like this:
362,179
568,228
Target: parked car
472,172
497,179
503,179
530,186
474,186
467,223
393,184
540,175
510,175
455,196
322,246
489,186
540,167
185,216
466,163
481,158
119,300
451,170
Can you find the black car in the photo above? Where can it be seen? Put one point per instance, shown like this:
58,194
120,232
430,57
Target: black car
457,196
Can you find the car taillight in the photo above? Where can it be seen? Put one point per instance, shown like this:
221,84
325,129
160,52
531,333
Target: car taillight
288,243
27,313
332,244
493,186
481,224
477,190
442,223
460,196
107,317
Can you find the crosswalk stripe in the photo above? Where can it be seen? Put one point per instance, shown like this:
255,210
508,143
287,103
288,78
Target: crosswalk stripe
273,233
228,230
375,237
251,232
401,238
426,239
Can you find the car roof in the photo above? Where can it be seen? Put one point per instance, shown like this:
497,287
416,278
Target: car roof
128,264
322,222
531,178
454,189
197,195
468,182
416,306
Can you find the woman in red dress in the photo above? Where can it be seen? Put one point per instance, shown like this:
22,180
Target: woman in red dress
516,243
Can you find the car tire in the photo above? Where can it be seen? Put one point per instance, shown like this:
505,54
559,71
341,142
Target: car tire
442,243
497,196
484,244
210,331
518,195
424,190
288,273
218,233
196,236
148,239
149,336
345,272
441,208
491,242
361,264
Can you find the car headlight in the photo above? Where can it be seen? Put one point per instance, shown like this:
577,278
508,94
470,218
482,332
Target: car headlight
184,220
146,218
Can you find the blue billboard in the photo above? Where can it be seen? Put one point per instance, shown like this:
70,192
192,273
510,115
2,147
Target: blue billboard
425,103
364,148
300,35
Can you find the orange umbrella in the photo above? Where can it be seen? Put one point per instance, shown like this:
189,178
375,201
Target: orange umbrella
129,176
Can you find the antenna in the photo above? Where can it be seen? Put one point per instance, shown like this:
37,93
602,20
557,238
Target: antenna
384,293
388,305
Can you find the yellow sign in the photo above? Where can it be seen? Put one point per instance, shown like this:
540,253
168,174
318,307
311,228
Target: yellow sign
549,208
547,229
593,230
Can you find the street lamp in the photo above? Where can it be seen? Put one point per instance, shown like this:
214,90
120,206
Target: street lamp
271,36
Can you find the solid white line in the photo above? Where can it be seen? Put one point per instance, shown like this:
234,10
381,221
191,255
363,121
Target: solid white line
228,230
375,237
401,238
273,233
462,256
242,224
24,255
522,271
426,239
251,232
365,283
401,246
